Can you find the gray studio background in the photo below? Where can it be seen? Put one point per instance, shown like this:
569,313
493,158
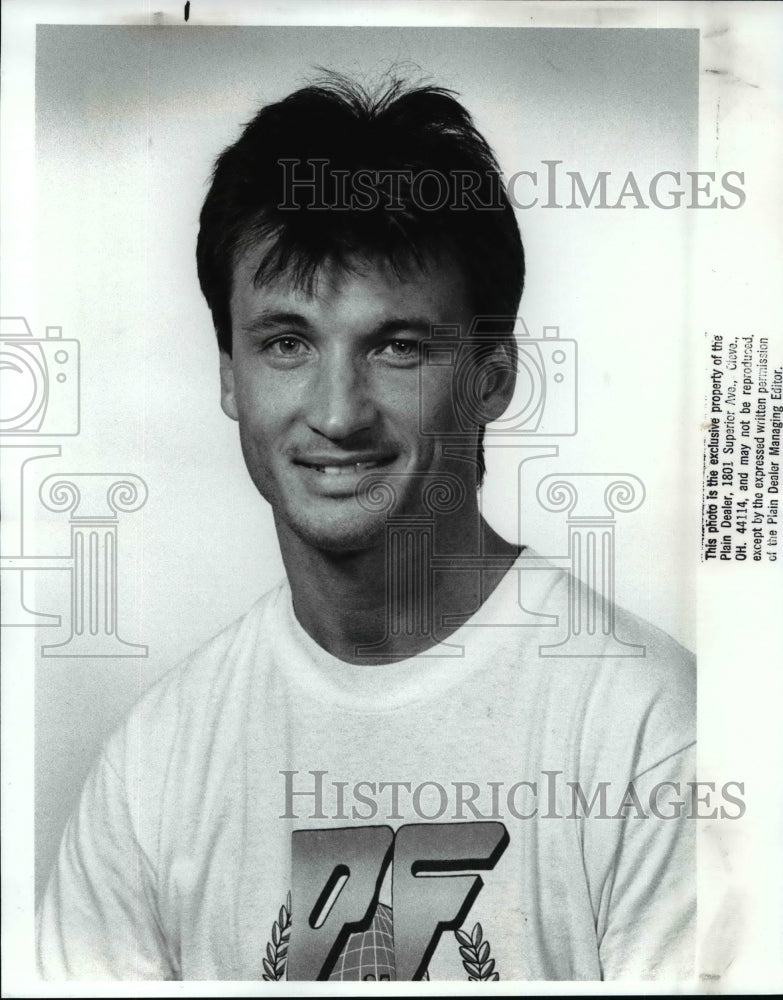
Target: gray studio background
128,123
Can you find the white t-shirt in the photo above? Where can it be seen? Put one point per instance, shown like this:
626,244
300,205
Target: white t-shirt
268,811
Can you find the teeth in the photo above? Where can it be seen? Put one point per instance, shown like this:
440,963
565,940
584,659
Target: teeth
344,470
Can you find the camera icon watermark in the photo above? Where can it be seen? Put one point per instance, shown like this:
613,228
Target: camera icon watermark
545,371
40,381
40,400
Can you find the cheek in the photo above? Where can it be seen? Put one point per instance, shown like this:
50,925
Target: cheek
264,405
255,446
436,401
262,438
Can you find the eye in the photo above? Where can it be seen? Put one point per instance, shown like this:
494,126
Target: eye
285,349
287,346
401,352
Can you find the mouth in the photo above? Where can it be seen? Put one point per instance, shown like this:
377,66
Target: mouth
344,470
335,468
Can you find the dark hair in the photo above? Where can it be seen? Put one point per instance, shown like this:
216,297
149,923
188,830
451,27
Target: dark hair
336,129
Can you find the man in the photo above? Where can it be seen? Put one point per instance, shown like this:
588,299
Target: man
314,793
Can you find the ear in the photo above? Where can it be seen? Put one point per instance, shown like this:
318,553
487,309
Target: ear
498,378
227,390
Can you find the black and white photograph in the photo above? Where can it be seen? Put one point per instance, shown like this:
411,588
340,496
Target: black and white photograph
391,413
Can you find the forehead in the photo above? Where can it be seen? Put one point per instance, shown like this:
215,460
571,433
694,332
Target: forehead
364,291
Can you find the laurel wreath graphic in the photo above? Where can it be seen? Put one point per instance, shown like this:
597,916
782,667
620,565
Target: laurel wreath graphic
473,949
475,956
277,948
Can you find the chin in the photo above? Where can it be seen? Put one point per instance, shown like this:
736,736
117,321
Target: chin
354,535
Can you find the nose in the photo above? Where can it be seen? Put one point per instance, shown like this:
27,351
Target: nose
341,403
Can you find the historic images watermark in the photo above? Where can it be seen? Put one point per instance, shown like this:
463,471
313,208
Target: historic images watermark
318,185
316,795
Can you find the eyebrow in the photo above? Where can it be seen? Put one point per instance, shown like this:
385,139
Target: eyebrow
269,319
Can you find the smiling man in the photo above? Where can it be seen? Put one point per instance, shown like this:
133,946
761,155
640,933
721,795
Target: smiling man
326,387
314,793
346,362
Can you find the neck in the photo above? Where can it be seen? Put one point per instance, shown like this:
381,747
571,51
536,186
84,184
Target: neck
344,603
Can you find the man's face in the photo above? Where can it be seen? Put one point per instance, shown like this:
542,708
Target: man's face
326,390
